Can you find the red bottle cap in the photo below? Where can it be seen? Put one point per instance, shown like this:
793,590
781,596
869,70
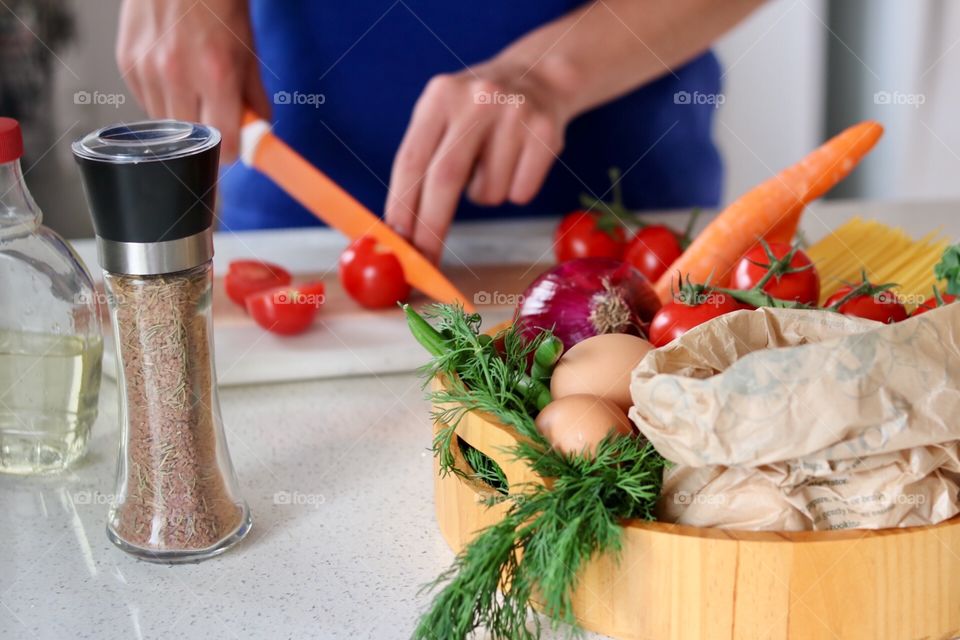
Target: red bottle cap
11,140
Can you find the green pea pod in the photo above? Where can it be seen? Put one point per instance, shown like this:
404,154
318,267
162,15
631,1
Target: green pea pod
424,333
545,358
535,391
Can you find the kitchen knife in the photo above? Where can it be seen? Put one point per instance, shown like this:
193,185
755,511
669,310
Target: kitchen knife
264,151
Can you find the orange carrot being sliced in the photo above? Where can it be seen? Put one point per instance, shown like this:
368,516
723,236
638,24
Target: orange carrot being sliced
772,209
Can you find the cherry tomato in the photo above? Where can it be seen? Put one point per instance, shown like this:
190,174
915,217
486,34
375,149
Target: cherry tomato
246,277
579,236
931,303
286,310
882,306
676,318
802,286
652,250
372,275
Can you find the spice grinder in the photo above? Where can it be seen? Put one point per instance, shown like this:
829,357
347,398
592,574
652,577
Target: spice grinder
151,190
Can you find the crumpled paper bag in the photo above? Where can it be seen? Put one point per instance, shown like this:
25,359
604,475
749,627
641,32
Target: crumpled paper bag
793,420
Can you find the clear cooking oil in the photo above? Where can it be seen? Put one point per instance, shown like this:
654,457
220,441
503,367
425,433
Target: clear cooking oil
49,385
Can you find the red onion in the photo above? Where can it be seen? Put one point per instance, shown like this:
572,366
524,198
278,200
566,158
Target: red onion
586,297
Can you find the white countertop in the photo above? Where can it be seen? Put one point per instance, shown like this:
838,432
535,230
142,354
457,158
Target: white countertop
339,479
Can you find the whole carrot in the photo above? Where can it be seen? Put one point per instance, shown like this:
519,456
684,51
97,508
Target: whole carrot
772,208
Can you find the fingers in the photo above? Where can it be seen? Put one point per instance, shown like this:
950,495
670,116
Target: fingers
493,176
459,135
446,179
182,104
423,134
542,143
222,104
254,93
153,101
190,63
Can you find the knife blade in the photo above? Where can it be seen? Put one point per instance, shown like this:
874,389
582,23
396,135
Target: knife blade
325,199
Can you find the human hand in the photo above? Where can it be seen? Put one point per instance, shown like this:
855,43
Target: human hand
492,130
192,61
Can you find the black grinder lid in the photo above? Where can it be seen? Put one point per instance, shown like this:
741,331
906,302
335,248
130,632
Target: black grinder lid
151,181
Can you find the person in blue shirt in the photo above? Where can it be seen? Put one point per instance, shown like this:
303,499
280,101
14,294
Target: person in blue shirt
427,109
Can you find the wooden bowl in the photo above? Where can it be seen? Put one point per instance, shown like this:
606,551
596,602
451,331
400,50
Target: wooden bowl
675,583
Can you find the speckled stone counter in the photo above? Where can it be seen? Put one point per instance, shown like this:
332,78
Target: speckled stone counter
339,479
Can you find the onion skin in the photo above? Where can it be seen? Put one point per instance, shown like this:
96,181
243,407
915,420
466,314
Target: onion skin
585,297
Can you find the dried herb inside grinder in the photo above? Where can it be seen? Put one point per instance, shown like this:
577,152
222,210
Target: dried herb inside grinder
150,187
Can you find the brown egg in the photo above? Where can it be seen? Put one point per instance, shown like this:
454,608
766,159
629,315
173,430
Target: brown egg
600,366
579,422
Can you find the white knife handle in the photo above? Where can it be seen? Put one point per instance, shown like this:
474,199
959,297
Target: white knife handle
250,136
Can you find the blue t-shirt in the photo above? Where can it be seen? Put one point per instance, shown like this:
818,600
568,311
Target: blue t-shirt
370,59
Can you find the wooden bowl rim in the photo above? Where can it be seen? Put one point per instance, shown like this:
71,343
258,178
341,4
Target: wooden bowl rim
732,535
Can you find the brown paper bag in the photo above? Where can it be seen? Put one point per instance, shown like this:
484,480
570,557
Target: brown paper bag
806,420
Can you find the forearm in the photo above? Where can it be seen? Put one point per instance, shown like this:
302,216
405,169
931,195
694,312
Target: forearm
607,48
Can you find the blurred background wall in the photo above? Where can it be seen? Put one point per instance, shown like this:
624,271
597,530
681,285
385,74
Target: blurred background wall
796,71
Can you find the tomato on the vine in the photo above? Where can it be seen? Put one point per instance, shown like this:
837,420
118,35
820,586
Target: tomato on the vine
677,317
874,303
933,303
372,274
652,250
246,277
588,234
286,310
796,280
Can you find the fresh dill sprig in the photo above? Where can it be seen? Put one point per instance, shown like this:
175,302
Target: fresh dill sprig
549,531
478,375
545,539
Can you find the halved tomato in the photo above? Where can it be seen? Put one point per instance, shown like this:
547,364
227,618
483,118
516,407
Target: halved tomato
286,310
246,277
